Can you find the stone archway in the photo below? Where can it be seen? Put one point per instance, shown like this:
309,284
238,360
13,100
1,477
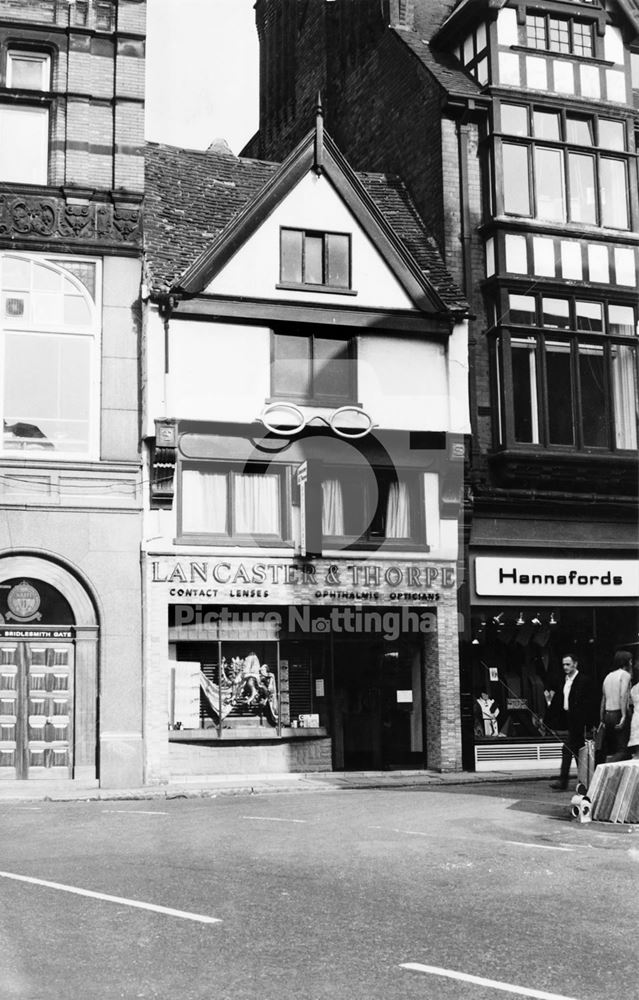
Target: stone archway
56,576
25,672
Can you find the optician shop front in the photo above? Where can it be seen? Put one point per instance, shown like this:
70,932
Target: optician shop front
529,609
265,665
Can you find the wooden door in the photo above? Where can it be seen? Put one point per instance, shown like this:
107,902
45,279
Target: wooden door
8,708
36,683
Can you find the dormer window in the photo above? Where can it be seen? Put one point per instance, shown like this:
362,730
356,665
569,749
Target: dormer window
316,259
556,34
28,70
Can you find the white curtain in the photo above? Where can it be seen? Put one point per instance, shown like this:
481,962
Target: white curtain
332,507
398,511
204,501
257,505
625,396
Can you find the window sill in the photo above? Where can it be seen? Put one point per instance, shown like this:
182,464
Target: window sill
337,544
532,50
325,289
252,734
49,456
248,541
317,404
548,227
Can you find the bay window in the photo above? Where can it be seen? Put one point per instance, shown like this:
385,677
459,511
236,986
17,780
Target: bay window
558,167
571,382
49,338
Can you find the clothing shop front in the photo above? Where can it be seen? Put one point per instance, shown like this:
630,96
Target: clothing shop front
267,665
528,610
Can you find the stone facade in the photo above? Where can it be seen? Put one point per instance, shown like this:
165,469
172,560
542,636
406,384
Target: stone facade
76,516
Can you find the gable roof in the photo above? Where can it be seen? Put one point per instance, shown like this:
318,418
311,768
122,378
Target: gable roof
200,206
190,197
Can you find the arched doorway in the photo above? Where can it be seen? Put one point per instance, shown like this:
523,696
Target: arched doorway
48,672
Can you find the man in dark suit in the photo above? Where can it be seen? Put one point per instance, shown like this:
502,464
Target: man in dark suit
577,712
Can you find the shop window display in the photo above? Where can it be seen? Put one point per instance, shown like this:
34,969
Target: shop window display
257,683
516,678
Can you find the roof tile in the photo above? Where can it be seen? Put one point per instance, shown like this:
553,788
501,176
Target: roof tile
192,197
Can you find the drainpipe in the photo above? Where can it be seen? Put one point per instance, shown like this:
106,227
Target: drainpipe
465,234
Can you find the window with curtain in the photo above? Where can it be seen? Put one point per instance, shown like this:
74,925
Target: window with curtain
558,166
567,372
371,508
231,502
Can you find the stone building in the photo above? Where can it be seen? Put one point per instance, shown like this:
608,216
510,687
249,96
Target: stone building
71,185
513,125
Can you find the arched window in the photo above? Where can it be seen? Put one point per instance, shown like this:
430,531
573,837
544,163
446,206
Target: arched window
49,338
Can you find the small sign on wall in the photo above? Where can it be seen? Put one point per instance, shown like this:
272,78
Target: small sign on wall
493,673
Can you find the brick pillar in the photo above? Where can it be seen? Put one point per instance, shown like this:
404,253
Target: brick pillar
441,684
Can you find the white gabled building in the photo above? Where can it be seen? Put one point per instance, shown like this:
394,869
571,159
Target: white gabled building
305,407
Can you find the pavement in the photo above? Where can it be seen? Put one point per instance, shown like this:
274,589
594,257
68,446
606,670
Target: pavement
39,790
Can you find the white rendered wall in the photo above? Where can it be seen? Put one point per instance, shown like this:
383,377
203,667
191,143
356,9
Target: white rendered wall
312,204
403,382
457,351
217,371
221,371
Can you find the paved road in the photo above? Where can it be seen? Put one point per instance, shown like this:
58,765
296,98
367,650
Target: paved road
359,895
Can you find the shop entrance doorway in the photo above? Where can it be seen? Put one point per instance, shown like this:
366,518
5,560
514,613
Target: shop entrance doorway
378,705
36,708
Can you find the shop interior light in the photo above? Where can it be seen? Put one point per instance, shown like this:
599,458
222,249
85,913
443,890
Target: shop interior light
497,619
536,620
520,620
553,620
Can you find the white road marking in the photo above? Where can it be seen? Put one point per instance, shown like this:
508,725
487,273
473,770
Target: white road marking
544,847
275,819
410,833
136,812
200,918
521,991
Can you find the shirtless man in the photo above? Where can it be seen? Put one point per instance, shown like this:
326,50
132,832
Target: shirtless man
613,712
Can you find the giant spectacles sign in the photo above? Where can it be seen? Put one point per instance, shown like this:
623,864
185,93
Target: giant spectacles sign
511,576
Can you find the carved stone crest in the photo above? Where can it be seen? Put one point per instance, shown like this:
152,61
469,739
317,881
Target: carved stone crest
23,602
